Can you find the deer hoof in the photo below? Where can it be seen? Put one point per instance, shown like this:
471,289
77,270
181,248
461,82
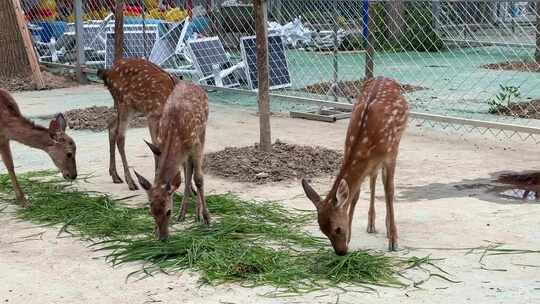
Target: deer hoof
206,219
132,186
181,217
24,203
116,179
392,245
371,229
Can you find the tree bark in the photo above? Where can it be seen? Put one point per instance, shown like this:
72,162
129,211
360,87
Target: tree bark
537,54
261,29
119,30
370,46
17,55
394,19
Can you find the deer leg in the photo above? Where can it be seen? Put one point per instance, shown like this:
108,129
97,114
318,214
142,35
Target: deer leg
202,210
113,129
388,176
123,117
371,212
188,174
8,162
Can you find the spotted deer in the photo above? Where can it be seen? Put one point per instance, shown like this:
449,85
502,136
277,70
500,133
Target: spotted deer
53,140
137,86
181,137
378,120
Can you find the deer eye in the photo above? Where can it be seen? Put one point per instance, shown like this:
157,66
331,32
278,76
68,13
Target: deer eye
169,213
69,155
338,230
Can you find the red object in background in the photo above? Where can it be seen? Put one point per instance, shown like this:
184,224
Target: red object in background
39,13
132,10
189,7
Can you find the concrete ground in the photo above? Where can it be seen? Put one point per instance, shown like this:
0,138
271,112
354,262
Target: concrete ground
431,213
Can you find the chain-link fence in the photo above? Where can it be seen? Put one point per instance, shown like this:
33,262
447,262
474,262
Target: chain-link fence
468,62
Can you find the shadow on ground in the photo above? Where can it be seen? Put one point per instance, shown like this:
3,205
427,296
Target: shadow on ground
486,189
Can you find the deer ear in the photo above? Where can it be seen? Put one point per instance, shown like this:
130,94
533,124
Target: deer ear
342,194
57,125
145,184
154,148
174,183
311,193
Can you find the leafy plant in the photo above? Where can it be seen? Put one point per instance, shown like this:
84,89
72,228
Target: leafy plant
504,99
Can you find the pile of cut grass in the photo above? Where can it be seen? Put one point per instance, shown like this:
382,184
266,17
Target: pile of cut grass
250,243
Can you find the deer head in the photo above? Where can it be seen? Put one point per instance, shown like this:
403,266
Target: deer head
160,197
62,148
333,214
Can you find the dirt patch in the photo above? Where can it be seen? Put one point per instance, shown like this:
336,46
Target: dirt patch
97,119
51,81
529,109
286,161
521,66
351,88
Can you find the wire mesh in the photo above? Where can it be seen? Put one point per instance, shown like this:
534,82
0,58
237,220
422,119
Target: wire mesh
474,60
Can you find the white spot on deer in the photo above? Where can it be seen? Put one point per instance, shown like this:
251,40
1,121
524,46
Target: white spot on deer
365,140
351,139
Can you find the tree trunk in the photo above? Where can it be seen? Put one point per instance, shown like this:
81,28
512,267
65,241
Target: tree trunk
537,55
370,45
119,30
261,29
17,56
394,19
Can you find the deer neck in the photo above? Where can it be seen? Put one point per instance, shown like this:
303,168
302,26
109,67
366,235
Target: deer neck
29,134
169,163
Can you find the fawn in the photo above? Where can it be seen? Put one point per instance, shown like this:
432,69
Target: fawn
54,140
137,86
378,120
181,138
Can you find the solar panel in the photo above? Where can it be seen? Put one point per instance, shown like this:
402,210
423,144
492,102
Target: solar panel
279,75
136,45
169,43
207,52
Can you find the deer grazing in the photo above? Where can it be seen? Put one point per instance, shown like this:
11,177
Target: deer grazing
378,120
54,140
137,86
181,137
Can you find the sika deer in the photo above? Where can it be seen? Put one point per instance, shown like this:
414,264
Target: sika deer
13,126
137,86
182,130
378,120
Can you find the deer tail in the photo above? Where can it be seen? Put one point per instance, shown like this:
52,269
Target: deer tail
102,74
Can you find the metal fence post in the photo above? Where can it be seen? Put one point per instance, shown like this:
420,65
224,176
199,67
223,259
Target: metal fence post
79,39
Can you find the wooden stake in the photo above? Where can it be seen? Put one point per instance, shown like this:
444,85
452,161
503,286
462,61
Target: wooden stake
261,31
29,48
537,55
119,30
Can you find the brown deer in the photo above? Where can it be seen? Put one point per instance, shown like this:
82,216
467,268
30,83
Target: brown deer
54,140
181,138
378,120
137,86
